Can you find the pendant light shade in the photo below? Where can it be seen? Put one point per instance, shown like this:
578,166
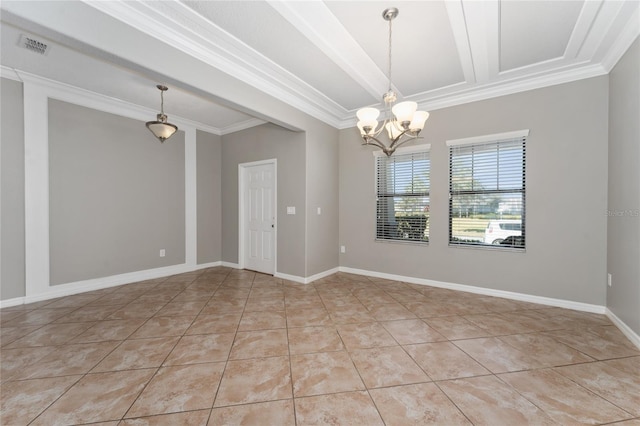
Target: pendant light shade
160,128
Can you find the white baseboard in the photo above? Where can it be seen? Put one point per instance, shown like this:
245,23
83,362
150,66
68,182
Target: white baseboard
306,280
626,330
208,265
115,280
288,277
76,287
11,302
561,303
323,274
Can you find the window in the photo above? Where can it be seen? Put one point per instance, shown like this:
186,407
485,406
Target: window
487,191
402,195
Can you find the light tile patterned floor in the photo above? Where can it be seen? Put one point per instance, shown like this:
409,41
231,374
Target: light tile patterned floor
223,346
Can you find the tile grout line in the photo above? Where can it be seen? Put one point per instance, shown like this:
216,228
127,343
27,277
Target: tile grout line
589,327
124,415
83,375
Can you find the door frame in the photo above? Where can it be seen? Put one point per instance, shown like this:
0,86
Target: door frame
242,226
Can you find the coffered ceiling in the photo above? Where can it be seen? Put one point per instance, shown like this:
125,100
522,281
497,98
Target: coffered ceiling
329,58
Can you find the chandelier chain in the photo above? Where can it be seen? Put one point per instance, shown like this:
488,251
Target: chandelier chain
390,32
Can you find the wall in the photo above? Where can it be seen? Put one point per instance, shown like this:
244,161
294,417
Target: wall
623,239
566,197
117,195
322,192
261,143
12,278
209,194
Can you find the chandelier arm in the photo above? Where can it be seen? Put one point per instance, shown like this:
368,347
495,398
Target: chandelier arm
398,142
370,140
374,133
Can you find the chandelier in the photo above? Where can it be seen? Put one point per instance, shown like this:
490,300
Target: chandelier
160,128
402,123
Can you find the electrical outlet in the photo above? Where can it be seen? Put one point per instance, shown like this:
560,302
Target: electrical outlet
609,280
162,252
343,249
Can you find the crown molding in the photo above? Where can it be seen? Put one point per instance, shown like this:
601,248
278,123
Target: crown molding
627,36
9,73
86,98
253,122
466,94
594,48
181,27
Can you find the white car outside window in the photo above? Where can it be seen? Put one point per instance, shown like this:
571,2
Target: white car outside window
498,230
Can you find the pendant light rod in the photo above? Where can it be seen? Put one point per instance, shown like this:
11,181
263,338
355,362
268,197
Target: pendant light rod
389,15
162,90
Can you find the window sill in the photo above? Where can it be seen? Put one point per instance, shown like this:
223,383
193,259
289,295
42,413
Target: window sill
496,247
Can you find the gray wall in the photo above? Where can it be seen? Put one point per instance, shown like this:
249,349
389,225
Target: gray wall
566,197
12,259
623,242
322,191
209,187
260,143
117,195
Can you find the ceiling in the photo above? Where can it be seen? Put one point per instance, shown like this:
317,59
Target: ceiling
329,58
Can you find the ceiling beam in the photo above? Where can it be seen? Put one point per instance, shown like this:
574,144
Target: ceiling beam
315,21
455,12
179,26
588,14
483,29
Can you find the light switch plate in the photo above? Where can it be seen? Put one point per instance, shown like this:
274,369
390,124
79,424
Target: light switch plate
291,210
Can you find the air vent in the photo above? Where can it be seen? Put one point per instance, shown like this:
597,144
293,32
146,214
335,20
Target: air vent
33,45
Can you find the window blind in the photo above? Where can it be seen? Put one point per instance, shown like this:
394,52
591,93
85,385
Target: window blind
402,197
487,193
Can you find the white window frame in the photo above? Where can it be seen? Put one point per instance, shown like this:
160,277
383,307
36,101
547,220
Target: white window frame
485,139
424,148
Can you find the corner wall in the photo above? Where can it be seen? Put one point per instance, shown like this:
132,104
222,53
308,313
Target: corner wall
209,190
12,278
322,193
623,211
566,198
262,143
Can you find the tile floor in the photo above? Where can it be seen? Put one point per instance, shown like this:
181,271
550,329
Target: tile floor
224,346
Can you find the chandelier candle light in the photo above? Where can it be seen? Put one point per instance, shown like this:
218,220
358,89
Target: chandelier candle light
160,128
403,122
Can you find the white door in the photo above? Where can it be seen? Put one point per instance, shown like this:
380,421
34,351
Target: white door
259,218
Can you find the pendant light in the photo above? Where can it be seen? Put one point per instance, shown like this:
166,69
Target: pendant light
160,128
